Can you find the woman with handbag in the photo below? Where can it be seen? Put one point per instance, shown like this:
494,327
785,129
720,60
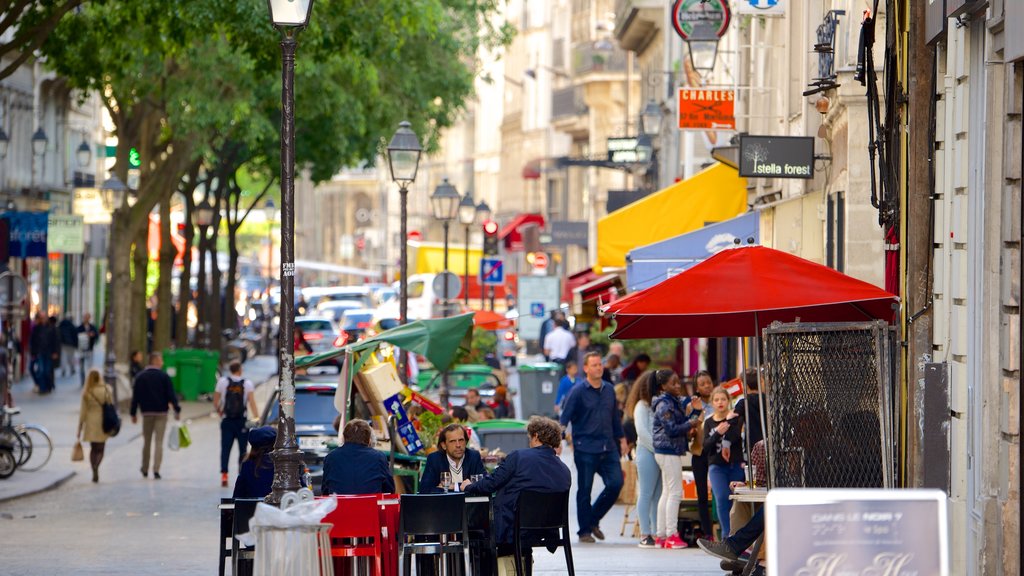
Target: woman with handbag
90,419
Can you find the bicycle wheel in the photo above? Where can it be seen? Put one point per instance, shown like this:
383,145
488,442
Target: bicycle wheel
40,446
19,447
7,463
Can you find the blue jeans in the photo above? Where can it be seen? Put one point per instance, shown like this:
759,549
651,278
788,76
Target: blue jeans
720,477
606,465
648,490
231,430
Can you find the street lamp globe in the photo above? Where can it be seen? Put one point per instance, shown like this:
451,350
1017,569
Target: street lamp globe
703,45
39,142
113,192
270,210
4,142
444,202
404,155
650,118
204,213
467,210
483,212
83,154
290,13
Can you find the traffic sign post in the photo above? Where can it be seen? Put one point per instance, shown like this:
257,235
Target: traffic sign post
492,272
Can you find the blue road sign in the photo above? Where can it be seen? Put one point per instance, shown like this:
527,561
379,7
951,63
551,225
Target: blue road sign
492,272
537,309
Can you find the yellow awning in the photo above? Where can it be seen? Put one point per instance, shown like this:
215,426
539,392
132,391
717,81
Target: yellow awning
713,195
428,258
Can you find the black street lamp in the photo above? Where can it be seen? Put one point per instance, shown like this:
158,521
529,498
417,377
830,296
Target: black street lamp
404,159
650,118
202,217
444,203
467,215
83,154
39,142
5,142
113,191
289,16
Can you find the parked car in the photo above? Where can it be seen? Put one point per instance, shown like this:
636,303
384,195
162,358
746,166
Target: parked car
334,309
363,295
321,333
355,322
461,378
314,420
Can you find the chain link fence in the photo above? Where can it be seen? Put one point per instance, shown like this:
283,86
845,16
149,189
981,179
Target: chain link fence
829,404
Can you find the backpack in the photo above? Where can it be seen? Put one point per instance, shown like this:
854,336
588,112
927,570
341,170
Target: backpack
234,399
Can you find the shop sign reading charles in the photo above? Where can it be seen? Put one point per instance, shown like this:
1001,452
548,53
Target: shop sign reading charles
776,156
701,109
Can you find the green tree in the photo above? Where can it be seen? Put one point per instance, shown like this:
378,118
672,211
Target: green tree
30,23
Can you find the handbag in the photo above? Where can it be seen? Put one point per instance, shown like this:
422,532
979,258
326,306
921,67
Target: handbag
629,477
174,438
77,453
697,444
184,437
111,419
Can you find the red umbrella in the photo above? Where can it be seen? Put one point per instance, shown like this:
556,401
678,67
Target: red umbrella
488,320
739,291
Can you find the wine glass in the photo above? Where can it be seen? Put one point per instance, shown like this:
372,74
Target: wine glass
446,481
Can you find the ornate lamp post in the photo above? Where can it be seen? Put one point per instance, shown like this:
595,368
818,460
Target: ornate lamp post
113,191
203,217
404,159
444,203
289,16
83,154
467,215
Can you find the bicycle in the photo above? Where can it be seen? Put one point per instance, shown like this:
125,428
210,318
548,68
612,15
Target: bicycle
30,444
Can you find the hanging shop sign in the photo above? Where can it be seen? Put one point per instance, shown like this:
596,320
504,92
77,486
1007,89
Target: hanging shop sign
65,234
622,149
28,234
776,156
706,109
700,18
88,203
761,7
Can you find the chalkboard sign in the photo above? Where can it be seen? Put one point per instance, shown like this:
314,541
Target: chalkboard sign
846,531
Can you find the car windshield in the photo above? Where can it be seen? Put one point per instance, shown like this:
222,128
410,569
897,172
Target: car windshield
355,297
356,321
315,325
312,408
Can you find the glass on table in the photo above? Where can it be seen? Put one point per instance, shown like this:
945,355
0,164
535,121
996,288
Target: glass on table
446,481
474,478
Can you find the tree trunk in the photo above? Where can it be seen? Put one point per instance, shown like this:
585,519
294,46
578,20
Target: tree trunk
185,280
162,332
119,321
139,313
214,302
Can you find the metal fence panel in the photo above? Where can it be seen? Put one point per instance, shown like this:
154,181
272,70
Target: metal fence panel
829,404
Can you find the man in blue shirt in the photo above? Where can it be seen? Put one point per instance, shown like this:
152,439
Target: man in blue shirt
598,442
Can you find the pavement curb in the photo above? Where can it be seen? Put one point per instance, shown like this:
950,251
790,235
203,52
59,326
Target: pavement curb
60,478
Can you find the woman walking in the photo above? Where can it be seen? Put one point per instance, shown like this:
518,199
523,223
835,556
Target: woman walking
672,423
648,474
90,419
721,434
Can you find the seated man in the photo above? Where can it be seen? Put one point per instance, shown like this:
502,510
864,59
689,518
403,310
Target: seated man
733,546
453,457
355,467
537,468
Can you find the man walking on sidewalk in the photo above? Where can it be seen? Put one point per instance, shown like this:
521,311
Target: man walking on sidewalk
232,396
153,394
68,333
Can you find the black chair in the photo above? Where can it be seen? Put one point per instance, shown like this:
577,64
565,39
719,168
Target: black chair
539,511
227,513
242,559
434,518
483,559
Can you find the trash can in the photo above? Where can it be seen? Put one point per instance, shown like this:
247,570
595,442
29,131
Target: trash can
192,371
538,388
292,539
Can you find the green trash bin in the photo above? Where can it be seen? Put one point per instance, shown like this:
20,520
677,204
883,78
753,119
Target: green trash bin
538,388
193,372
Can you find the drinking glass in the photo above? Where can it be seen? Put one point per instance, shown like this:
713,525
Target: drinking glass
476,478
446,481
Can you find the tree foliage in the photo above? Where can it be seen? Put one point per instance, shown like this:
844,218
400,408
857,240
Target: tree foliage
29,22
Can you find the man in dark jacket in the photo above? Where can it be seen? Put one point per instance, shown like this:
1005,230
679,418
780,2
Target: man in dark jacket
68,333
355,467
39,349
453,457
153,394
537,468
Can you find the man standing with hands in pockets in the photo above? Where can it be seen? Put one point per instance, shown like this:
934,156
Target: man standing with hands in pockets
598,442
153,394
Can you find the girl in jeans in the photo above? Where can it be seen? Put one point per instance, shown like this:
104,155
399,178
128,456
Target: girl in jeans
648,474
721,434
673,417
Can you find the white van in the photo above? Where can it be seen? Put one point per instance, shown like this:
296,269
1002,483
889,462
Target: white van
424,303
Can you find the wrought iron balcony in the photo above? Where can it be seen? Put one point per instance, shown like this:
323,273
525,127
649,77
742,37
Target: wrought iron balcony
567,102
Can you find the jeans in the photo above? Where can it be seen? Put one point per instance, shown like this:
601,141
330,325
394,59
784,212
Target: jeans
720,477
744,537
606,465
700,479
648,490
231,430
671,493
42,373
153,428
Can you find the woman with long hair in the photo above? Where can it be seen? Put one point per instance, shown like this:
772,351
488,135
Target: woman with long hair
95,394
723,446
256,475
638,405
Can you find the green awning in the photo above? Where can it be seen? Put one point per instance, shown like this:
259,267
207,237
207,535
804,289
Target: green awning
438,340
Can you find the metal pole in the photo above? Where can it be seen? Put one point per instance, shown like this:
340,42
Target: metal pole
403,280
465,270
110,356
286,455
443,393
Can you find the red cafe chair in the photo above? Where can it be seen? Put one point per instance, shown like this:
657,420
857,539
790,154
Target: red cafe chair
356,517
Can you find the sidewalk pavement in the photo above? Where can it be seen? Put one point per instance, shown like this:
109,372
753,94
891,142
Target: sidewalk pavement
58,413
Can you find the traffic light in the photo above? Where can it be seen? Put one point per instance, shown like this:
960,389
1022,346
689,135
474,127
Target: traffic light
490,238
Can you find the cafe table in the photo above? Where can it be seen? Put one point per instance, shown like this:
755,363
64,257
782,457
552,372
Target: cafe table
753,497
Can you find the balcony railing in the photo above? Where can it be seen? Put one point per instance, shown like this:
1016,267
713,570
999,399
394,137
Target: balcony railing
568,102
600,56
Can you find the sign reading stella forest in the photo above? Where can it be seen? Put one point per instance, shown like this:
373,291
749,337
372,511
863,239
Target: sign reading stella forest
776,156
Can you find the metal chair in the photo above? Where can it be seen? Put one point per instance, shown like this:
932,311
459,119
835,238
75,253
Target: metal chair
542,511
242,559
356,518
483,558
435,518
227,513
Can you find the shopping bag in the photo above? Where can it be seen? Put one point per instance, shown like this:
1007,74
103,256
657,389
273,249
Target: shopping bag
77,454
628,493
174,438
184,437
